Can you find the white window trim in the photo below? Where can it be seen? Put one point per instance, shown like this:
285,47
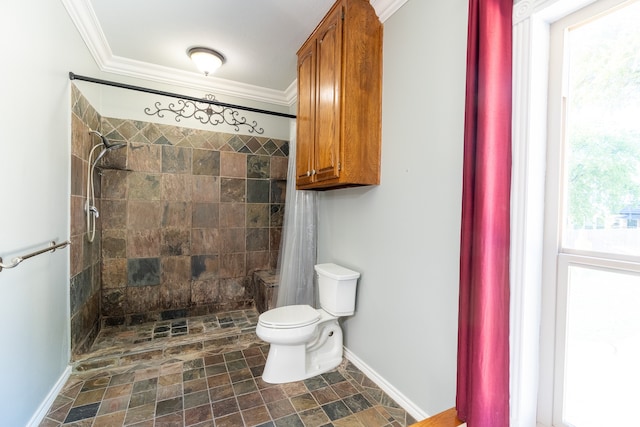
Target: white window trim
531,338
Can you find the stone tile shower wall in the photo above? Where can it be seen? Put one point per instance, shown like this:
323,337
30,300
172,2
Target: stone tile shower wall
188,220
84,266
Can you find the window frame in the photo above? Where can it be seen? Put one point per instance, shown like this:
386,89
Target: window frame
559,263
534,244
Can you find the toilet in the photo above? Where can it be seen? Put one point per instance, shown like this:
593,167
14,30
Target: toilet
304,341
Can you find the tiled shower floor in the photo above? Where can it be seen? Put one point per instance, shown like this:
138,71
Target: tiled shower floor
206,371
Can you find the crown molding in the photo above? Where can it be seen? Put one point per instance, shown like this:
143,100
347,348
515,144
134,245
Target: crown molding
291,93
86,21
386,8
196,81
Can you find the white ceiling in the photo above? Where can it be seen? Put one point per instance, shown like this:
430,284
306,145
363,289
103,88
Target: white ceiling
259,39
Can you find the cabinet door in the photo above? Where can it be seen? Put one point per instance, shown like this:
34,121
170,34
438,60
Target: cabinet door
329,69
306,114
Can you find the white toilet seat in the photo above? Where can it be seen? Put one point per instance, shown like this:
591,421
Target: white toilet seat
289,317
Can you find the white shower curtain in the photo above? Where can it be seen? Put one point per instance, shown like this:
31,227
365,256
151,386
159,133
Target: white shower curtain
299,236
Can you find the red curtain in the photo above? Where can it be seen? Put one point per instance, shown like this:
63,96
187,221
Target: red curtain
483,324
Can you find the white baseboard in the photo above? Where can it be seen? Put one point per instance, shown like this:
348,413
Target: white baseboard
39,415
391,391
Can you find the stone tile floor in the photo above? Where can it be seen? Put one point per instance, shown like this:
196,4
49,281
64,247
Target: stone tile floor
206,371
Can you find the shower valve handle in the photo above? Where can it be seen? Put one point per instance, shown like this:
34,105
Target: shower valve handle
94,211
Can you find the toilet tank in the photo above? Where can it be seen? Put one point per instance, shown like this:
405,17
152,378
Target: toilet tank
337,289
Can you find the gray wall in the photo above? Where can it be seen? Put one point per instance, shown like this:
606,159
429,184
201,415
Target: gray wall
39,46
403,236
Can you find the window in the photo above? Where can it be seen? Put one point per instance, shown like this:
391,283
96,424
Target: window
593,199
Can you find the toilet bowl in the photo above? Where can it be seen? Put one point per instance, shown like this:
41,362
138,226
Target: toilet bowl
304,341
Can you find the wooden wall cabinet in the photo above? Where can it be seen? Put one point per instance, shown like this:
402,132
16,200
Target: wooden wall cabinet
339,100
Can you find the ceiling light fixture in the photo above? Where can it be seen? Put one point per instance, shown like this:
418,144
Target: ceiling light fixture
207,60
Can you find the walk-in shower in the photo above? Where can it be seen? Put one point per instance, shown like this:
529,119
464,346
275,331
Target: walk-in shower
90,207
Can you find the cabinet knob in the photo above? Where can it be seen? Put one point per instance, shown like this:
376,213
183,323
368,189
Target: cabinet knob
313,172
308,173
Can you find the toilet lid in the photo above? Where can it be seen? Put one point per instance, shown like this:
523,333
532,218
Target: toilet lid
290,316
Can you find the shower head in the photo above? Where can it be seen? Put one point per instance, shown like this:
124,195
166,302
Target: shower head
107,146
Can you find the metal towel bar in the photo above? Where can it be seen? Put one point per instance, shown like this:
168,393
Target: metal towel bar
17,260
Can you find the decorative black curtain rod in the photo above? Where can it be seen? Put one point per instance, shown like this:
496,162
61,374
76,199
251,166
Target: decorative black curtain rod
73,76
